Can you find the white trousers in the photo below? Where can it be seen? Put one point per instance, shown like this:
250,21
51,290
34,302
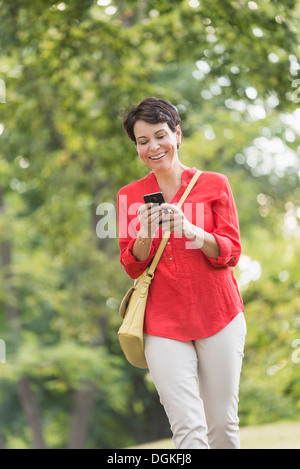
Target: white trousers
198,384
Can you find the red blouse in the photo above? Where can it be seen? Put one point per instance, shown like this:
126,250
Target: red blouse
191,295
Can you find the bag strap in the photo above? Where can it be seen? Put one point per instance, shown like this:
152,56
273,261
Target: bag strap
167,234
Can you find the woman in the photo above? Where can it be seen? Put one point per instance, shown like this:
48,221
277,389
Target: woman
194,330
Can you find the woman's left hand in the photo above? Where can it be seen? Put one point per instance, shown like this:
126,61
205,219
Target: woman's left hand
173,219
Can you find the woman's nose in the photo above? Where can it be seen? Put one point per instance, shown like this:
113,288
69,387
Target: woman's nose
154,145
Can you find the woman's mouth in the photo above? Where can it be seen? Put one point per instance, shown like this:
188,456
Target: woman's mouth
157,157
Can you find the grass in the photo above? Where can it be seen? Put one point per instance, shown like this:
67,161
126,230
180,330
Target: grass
281,435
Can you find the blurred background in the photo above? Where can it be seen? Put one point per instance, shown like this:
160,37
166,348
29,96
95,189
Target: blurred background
68,73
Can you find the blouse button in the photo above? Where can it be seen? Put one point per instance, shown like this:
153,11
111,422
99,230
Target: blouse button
171,258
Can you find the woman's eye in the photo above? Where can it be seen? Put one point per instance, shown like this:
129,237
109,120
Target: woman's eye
158,138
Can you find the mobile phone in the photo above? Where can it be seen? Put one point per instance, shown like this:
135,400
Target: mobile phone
154,198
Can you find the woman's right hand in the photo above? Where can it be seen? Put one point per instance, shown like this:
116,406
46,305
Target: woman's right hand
149,216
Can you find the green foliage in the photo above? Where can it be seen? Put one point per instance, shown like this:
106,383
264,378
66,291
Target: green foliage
71,71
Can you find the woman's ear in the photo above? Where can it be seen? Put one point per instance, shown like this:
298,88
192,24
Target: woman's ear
178,136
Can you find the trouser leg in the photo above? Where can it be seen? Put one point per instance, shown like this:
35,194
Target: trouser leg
220,361
173,366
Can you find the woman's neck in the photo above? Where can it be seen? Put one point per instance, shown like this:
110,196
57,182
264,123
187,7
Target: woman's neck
170,178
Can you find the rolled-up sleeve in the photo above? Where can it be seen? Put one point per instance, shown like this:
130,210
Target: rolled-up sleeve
226,228
131,266
128,229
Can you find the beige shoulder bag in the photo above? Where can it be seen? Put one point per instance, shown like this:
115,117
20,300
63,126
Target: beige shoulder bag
133,305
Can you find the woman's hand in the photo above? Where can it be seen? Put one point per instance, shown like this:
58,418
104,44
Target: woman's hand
149,217
173,219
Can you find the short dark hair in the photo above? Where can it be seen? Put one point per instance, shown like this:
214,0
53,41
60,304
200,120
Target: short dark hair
153,111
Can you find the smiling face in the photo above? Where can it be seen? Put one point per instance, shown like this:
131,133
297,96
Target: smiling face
157,144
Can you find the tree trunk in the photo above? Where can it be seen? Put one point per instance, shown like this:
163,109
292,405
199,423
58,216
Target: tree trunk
83,405
32,412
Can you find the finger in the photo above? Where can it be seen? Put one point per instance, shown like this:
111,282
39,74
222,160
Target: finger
171,207
154,218
168,215
155,208
166,221
143,209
